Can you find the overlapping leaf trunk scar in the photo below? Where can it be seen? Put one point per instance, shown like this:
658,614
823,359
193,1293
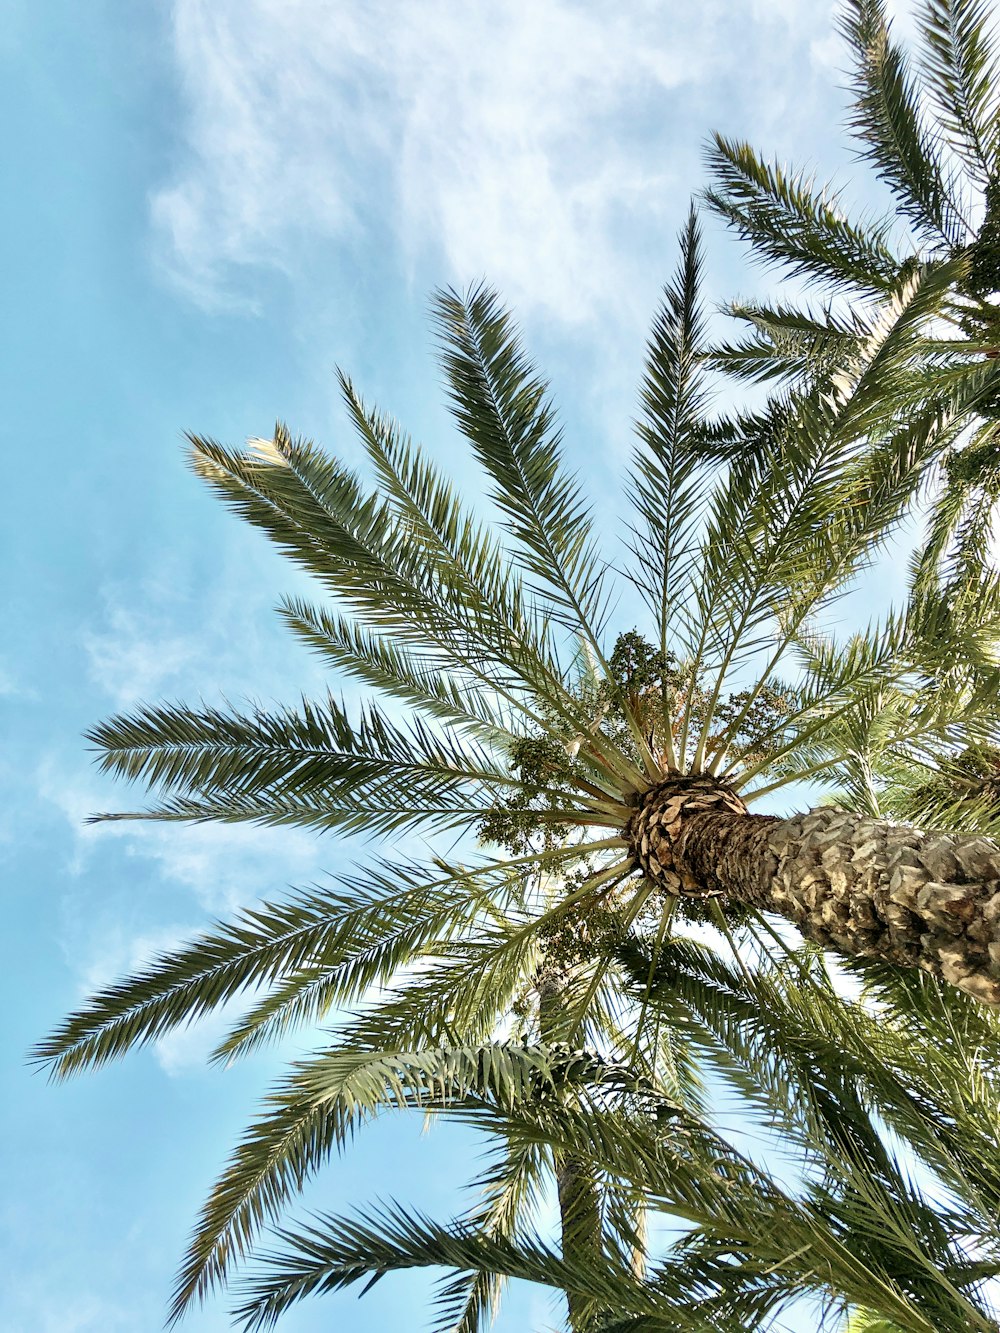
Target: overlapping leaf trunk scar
851,883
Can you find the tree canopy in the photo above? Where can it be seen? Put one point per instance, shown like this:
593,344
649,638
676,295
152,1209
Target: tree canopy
594,745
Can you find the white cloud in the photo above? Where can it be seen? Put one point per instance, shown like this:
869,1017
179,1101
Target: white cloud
182,632
223,865
119,952
131,659
533,141
226,865
12,687
186,1050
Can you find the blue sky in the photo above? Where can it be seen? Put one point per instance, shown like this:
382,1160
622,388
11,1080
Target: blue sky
209,205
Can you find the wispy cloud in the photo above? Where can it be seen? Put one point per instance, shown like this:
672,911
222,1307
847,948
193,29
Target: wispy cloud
222,865
187,1050
130,658
12,687
202,633
541,142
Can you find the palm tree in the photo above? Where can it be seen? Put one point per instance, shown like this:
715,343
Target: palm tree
608,776
858,1227
931,132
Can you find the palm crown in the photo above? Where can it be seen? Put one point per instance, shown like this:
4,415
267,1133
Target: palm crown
607,774
520,723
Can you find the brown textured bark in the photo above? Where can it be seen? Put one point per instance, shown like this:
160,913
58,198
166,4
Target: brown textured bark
858,885
664,820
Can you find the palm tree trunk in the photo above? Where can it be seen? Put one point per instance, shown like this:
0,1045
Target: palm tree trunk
576,1186
858,885
641,1246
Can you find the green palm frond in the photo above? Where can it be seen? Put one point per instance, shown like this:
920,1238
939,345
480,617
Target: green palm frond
318,514
452,1000
788,344
752,1247
311,766
819,1067
787,221
503,408
916,687
314,951
956,549
421,680
889,122
668,484
428,508
950,1114
337,1252
962,72
355,933
548,1120
322,1103
787,529
931,130
863,1321
464,550
315,748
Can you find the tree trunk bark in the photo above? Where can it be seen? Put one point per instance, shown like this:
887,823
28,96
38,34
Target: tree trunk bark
576,1186
641,1246
858,885
580,1225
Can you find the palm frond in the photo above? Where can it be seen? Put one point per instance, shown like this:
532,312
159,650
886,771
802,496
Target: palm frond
503,408
425,681
790,526
959,62
822,1067
318,513
888,121
789,344
323,1102
667,485
314,748
336,1252
313,766
327,946
787,221
459,547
